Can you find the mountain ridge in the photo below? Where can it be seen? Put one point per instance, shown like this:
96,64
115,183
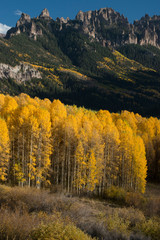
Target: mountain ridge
78,68
100,25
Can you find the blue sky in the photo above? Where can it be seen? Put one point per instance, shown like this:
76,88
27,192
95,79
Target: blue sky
69,8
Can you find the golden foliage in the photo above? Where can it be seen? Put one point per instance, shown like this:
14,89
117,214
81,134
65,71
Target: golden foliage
78,149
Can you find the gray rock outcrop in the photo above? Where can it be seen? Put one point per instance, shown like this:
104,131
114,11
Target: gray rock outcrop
25,25
62,21
101,24
20,73
35,31
105,25
25,18
110,28
45,14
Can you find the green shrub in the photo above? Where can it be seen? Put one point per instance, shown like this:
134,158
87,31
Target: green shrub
150,228
58,231
121,196
116,194
135,199
114,222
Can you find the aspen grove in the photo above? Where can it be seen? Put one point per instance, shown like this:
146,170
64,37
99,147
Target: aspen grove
46,143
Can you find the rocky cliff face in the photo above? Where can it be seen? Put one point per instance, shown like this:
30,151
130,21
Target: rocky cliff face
105,26
25,18
148,30
20,73
94,18
28,25
45,15
101,25
111,28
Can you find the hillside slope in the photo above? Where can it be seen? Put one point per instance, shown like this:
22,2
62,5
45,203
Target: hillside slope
58,59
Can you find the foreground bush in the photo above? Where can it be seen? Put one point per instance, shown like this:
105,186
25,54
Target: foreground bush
17,226
58,231
150,228
135,199
116,194
114,222
31,214
21,226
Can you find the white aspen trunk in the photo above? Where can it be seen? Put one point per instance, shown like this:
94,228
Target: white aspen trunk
23,167
104,173
39,163
30,160
58,162
68,167
74,172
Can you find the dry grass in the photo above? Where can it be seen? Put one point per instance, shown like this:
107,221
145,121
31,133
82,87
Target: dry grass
149,203
152,190
19,225
27,213
153,197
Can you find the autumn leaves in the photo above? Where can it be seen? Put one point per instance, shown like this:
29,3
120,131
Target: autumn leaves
43,143
4,150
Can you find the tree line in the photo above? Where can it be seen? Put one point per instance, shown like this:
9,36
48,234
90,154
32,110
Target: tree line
45,143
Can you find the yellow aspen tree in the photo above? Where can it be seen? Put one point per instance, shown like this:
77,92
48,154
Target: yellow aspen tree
70,143
130,118
7,112
58,111
4,150
43,162
2,97
25,144
111,142
8,108
125,153
23,99
58,137
139,165
18,173
90,136
84,137
20,144
32,144
23,136
91,173
96,146
146,129
80,176
99,167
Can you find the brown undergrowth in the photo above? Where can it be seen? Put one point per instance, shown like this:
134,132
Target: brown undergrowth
28,213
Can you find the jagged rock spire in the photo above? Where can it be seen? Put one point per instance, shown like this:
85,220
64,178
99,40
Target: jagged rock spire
45,14
25,18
